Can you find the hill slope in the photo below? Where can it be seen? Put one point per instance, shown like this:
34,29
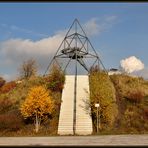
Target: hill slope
123,100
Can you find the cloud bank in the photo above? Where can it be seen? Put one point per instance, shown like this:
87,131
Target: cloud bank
16,50
131,64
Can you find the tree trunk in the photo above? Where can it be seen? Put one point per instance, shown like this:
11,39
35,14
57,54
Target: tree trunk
37,124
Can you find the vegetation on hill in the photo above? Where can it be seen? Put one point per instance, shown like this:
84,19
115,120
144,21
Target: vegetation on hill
14,94
28,69
132,100
102,91
123,103
38,105
55,79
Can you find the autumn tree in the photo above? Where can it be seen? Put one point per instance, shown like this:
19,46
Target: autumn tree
56,78
28,68
38,105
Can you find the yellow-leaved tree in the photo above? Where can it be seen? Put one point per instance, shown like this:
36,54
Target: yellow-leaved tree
38,105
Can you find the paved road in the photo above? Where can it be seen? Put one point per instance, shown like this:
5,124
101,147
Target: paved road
106,140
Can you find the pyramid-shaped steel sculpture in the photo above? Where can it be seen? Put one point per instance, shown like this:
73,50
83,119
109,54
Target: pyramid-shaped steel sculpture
76,50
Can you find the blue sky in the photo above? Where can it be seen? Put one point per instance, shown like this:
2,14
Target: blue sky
116,30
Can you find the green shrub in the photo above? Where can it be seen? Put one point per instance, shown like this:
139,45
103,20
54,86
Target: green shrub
102,91
55,80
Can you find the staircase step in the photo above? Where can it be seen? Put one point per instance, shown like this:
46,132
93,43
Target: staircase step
83,119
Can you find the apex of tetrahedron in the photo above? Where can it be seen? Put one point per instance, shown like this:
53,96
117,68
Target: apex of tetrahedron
76,50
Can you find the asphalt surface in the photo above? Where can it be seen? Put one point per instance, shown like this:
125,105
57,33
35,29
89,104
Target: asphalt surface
102,140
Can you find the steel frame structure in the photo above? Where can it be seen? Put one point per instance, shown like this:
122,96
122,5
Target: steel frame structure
69,49
76,46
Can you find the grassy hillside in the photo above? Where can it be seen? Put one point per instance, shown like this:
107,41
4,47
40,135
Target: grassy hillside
123,104
132,100
13,94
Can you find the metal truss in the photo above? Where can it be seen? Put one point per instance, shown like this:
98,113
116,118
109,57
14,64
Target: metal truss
76,47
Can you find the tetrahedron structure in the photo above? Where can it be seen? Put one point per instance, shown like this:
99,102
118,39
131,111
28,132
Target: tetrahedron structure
76,52
75,56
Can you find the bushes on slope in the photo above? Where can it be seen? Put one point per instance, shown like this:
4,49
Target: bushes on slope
103,92
132,101
55,80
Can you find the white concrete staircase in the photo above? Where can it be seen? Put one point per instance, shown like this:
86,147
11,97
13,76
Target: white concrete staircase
65,126
66,118
83,118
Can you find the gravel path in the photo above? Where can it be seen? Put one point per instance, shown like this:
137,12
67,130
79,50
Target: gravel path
122,140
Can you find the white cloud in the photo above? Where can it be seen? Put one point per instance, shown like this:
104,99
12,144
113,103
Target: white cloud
26,46
91,27
15,50
131,64
96,26
111,18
